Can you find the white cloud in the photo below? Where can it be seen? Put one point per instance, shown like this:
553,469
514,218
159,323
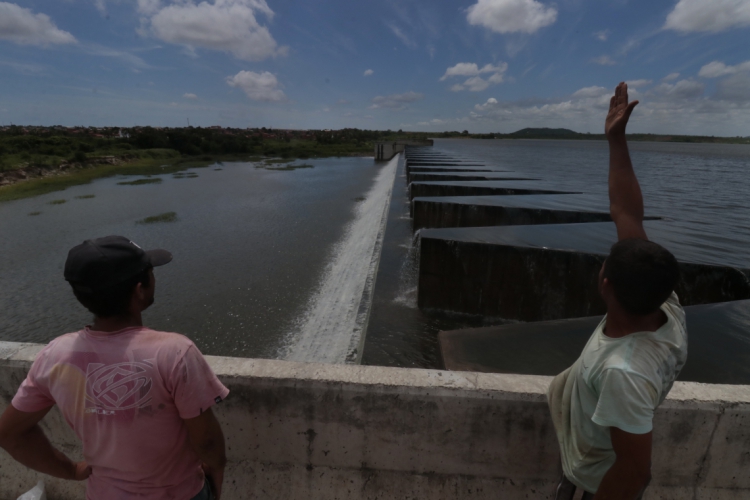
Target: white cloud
682,107
396,101
588,92
189,96
434,121
401,36
258,86
149,7
461,69
225,25
369,72
735,88
708,15
476,83
670,77
717,69
603,61
21,26
684,89
511,16
472,69
638,83
602,35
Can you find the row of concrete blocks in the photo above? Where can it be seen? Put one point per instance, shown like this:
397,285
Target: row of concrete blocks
498,269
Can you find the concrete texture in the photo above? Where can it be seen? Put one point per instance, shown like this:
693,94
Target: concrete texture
385,151
308,431
412,171
465,176
536,284
718,352
478,211
476,188
546,272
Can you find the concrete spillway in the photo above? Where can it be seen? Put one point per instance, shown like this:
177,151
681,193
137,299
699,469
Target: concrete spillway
522,250
332,328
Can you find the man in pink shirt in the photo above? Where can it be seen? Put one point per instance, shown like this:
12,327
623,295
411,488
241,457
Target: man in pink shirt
139,400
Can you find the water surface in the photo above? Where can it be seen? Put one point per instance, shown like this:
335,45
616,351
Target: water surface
250,247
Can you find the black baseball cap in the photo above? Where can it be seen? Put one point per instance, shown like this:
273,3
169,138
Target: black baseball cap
105,262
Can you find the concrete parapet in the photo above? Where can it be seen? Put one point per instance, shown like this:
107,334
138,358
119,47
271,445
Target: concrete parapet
308,431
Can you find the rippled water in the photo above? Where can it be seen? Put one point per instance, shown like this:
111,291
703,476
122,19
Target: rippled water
703,190
250,248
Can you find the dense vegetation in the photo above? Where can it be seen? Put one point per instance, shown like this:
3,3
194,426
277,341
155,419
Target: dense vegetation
50,146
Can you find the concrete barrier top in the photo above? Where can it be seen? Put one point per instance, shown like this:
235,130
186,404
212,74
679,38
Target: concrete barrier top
528,387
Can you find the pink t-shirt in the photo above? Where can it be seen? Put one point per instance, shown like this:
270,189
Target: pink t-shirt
125,394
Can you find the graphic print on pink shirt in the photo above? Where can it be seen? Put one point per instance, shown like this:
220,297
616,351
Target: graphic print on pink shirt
126,394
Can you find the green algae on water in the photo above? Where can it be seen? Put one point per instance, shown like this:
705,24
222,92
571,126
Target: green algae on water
138,182
85,197
165,217
57,202
34,213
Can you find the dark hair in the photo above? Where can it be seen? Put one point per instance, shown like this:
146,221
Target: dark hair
642,273
114,300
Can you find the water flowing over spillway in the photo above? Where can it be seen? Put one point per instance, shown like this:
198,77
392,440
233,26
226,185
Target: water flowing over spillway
330,330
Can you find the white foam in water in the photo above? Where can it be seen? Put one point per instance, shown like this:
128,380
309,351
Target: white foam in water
330,330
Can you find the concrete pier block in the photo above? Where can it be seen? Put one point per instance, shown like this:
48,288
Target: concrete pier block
545,272
476,188
719,352
478,211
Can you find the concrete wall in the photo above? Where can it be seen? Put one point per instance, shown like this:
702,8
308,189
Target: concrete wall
384,151
425,190
431,213
539,284
309,432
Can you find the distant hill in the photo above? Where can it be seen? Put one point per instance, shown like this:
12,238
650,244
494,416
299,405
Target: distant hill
546,132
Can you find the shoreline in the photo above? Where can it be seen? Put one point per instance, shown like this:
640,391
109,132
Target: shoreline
30,181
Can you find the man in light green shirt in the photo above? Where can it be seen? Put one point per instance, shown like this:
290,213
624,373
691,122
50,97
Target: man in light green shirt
603,406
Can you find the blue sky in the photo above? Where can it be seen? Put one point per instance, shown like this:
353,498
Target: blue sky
481,65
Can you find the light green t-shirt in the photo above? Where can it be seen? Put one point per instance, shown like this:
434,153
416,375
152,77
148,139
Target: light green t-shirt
615,383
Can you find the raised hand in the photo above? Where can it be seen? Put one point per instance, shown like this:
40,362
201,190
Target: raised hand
619,112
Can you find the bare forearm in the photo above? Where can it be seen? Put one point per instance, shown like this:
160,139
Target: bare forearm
623,481
33,449
625,198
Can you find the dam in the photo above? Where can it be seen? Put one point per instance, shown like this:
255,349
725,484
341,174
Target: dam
473,422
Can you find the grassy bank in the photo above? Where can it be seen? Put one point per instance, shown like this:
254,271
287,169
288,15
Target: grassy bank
149,162
76,177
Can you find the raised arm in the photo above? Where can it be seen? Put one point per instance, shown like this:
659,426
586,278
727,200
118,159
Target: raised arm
625,198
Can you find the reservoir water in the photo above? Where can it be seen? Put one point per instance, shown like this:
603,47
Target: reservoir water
273,263
251,248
